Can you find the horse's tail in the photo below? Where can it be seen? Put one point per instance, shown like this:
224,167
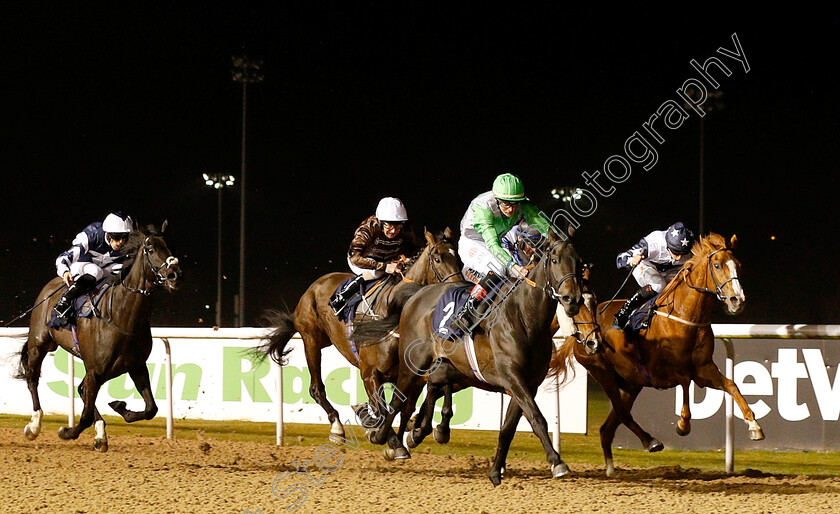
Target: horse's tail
560,359
283,328
400,297
369,331
23,364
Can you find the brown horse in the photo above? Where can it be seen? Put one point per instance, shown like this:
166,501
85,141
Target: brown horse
675,349
314,320
117,340
512,348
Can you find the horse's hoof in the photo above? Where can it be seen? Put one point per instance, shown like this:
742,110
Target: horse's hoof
337,438
401,453
100,445
495,477
610,471
63,433
683,429
409,440
560,470
757,434
369,435
411,422
29,434
441,436
390,454
655,446
118,406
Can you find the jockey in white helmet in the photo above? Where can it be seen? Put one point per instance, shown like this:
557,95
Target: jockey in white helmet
377,244
95,253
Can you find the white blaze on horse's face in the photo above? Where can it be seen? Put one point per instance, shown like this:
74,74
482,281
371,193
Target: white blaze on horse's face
735,301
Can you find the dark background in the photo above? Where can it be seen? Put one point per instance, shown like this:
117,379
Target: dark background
124,108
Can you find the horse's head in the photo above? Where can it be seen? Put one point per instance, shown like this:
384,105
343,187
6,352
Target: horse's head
563,270
724,270
438,262
158,265
588,331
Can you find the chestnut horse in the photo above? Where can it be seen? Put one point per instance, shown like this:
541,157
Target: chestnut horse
314,320
116,341
675,349
512,350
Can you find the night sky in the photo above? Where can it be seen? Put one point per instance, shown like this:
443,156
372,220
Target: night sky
125,108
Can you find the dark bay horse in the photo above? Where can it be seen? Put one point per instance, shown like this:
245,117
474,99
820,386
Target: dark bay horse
378,362
116,341
512,349
675,349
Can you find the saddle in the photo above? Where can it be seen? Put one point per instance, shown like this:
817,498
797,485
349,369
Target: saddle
368,292
85,306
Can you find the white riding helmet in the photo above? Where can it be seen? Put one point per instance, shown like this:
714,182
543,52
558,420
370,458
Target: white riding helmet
117,223
391,209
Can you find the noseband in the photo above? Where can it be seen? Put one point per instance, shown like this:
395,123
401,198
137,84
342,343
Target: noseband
159,272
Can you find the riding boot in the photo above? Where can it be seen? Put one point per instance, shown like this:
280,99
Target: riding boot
476,306
339,301
64,307
623,315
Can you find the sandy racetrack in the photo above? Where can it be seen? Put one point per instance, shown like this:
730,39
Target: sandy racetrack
144,474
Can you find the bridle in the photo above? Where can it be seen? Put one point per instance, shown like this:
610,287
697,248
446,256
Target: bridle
435,270
549,289
718,290
160,272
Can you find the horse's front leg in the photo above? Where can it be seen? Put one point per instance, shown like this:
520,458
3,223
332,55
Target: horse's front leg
506,433
524,396
684,424
140,377
709,375
88,390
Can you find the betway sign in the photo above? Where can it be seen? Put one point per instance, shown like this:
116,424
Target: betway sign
792,387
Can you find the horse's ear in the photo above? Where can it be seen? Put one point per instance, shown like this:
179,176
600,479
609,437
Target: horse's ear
552,236
163,227
571,231
447,233
430,238
733,242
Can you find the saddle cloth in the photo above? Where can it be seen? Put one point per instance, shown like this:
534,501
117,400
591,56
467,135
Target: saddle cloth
640,318
449,304
83,306
349,312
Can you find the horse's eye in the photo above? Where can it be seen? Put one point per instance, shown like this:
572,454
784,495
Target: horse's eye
717,265
437,260
553,261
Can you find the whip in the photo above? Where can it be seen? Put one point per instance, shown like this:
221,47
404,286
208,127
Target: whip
24,313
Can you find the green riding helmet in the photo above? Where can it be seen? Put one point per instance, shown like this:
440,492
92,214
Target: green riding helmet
508,187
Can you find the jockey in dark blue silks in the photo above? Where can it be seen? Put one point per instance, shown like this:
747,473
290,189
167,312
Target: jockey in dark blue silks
522,241
657,258
95,253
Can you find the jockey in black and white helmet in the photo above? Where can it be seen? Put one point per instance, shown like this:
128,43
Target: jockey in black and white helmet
655,260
